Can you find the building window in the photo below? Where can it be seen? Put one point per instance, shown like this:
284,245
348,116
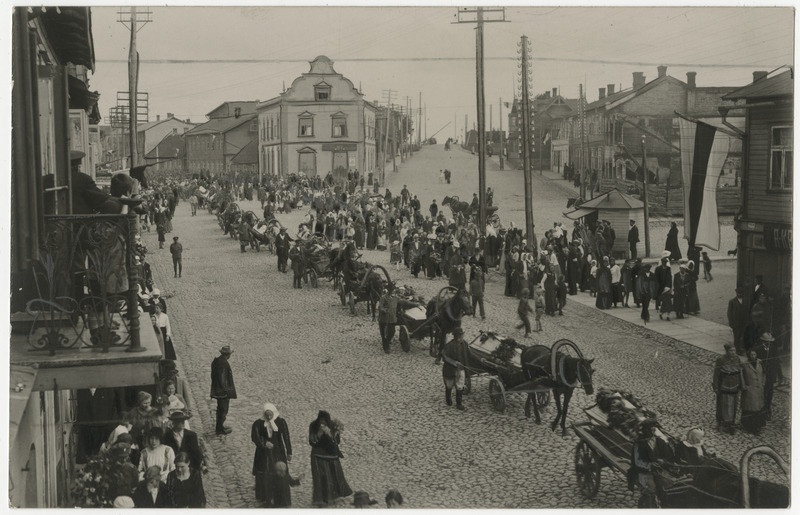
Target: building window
339,127
322,92
306,127
780,168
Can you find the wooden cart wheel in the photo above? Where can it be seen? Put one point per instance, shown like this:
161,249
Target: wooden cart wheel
587,470
312,278
497,395
405,342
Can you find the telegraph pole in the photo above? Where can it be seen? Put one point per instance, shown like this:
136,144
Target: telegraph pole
644,199
419,122
581,118
387,93
133,77
501,132
478,15
527,132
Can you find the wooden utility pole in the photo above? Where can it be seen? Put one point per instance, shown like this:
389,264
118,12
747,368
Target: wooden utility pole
394,144
527,133
501,132
419,122
479,15
644,199
387,93
581,119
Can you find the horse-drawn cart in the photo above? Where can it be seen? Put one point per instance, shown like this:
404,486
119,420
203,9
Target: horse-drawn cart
709,482
362,283
315,259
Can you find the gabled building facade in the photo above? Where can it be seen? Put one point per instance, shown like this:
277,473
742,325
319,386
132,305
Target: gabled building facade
211,146
318,125
152,133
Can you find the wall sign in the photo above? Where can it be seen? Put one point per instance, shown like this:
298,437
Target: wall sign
778,237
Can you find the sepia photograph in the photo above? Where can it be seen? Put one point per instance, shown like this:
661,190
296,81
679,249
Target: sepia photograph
437,256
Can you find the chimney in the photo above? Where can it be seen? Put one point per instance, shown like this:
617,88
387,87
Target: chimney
759,75
662,71
188,120
602,93
170,115
158,117
609,89
690,79
555,92
638,80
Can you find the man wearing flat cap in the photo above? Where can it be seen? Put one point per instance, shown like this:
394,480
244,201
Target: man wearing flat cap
222,387
738,315
456,356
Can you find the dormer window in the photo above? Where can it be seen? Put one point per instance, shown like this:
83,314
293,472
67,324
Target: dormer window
322,92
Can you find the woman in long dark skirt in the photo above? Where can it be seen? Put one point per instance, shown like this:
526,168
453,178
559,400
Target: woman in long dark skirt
270,434
603,285
328,478
692,300
672,243
550,292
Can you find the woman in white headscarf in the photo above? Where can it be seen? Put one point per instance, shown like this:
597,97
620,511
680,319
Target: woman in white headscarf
270,434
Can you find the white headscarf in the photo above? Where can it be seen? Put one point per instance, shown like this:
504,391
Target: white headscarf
271,423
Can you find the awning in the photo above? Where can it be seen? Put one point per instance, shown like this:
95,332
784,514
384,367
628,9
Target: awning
579,213
21,380
69,30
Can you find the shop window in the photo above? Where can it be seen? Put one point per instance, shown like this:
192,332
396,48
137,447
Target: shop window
780,167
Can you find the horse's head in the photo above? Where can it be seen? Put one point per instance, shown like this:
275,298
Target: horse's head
585,372
463,302
446,201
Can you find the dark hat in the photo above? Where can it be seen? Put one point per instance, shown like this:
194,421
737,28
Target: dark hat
175,238
226,350
120,450
179,415
739,290
124,438
649,423
457,331
76,155
362,498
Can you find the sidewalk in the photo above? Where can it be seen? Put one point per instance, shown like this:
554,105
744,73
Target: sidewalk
706,335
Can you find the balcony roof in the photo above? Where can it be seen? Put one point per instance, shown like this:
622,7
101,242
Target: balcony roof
77,367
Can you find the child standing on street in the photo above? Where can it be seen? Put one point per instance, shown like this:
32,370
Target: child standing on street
706,267
665,300
522,310
396,254
539,307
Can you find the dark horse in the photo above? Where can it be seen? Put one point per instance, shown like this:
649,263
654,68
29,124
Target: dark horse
445,315
459,206
538,365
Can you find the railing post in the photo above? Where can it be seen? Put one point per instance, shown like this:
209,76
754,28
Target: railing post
133,280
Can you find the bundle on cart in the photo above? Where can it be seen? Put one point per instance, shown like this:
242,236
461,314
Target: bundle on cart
623,410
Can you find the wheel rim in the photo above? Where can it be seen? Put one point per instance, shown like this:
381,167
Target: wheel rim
497,395
587,470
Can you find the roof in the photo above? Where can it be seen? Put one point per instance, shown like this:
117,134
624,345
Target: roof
149,125
612,200
248,155
69,30
220,125
173,146
781,85
246,106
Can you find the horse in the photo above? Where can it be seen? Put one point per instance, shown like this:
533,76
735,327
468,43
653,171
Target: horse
562,373
445,315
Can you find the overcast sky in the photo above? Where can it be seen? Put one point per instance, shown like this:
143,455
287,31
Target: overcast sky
598,45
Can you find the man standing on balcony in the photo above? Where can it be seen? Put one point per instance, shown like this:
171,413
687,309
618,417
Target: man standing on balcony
222,387
176,249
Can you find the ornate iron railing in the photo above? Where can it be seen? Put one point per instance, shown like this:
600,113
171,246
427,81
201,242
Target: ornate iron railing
86,281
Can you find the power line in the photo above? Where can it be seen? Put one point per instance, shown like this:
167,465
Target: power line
435,59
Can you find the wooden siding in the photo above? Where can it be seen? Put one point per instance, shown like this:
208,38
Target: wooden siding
761,204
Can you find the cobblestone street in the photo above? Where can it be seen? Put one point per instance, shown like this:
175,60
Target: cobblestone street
302,351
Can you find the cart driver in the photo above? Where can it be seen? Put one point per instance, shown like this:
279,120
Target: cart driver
456,356
643,459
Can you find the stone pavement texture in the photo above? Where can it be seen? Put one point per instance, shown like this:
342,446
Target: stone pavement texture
303,351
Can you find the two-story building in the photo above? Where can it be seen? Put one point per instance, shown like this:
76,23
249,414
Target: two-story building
764,224
211,146
73,326
320,124
150,134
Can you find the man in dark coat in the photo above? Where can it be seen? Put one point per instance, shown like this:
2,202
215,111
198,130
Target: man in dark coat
738,315
282,241
680,293
434,209
176,249
456,356
222,387
151,492
633,238
184,440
